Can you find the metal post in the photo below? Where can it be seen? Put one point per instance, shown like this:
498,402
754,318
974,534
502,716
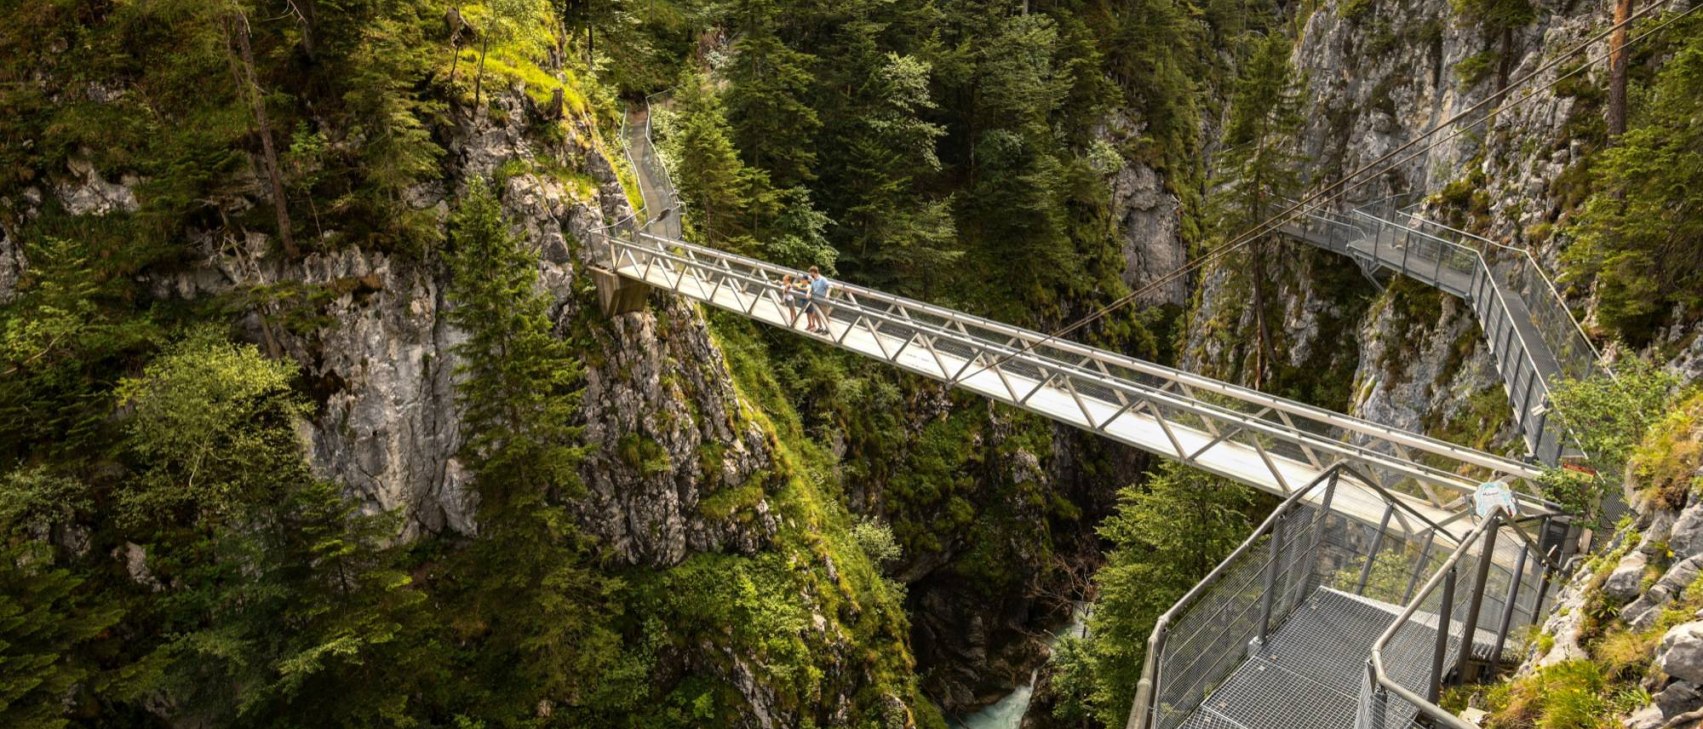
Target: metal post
1271,577
1441,647
1147,689
1377,543
1485,559
1509,605
1419,569
1380,698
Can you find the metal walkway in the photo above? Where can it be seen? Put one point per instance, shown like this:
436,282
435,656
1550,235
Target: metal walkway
1267,442
1358,495
1270,443
1278,635
1533,337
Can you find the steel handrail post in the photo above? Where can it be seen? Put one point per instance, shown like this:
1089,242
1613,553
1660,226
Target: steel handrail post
1446,577
1377,544
1510,604
1475,602
1276,551
1419,567
1440,648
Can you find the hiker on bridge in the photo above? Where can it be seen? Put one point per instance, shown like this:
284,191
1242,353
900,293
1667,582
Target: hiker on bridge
795,294
817,308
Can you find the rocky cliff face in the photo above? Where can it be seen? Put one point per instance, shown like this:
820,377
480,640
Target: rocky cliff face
380,354
1635,610
1377,75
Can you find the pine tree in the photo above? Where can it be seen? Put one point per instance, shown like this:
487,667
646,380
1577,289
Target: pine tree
1167,534
1261,171
52,621
1640,231
899,236
274,588
530,593
772,123
714,181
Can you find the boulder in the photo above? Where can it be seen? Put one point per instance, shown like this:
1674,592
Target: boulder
1680,654
1628,576
1686,537
1642,612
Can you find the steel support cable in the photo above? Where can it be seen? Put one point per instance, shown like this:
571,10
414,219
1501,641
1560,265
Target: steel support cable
1318,198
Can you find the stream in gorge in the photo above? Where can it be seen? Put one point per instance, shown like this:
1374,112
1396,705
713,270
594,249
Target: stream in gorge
1007,713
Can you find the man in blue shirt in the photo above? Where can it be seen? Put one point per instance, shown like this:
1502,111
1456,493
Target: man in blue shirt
817,310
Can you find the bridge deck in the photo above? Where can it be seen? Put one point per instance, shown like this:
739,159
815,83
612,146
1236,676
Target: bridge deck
705,276
1525,359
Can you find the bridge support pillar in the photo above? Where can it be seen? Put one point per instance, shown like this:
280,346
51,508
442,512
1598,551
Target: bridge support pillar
617,295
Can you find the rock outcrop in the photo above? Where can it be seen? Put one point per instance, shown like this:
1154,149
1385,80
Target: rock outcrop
664,424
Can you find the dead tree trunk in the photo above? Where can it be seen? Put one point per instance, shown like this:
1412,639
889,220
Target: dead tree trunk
1617,70
236,27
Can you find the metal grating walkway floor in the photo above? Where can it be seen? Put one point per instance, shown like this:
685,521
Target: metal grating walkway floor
1308,674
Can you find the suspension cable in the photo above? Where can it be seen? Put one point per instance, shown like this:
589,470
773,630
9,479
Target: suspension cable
1318,198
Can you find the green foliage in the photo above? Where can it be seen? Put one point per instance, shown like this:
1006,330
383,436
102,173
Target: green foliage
540,623
1567,695
876,541
766,98
1166,537
1608,418
1638,231
1495,16
58,342
273,585
1478,67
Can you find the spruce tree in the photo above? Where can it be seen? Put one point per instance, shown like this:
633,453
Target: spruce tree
1260,173
766,98
274,590
530,596
1167,535
713,180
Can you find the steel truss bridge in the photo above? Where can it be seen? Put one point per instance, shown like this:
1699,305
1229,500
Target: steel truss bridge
1363,556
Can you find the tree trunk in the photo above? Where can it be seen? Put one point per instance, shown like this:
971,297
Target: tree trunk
1617,70
306,11
236,26
479,78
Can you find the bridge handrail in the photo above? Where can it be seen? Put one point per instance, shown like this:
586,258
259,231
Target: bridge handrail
1147,687
1348,423
1494,314
1485,270
1380,675
1554,300
1379,682
675,202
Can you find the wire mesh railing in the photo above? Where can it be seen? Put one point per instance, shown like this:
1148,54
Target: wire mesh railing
1526,361
1247,435
1461,622
1280,632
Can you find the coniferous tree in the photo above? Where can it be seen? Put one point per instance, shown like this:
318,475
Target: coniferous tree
1639,232
53,620
1167,534
532,598
899,236
714,181
773,124
273,587
1261,172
